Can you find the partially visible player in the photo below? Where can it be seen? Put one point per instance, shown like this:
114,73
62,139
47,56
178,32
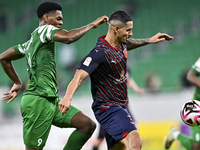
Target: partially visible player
106,66
39,104
190,143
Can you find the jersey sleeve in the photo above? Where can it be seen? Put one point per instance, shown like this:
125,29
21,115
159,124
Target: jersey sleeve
196,67
92,60
19,51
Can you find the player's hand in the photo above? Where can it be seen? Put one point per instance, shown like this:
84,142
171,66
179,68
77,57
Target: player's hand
140,91
13,93
64,106
159,37
100,20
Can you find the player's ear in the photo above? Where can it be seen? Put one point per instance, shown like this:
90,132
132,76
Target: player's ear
116,29
46,17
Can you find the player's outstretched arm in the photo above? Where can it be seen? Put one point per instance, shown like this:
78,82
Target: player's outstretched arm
71,36
6,62
159,37
65,103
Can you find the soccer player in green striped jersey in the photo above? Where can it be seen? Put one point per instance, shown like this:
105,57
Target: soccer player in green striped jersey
39,104
190,143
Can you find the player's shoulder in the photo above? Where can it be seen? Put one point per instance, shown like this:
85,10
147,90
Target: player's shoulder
99,51
43,28
46,27
100,47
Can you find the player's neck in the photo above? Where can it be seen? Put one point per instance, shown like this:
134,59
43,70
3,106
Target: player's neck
41,23
112,41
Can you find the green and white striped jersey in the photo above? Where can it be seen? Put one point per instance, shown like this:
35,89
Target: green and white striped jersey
39,52
196,69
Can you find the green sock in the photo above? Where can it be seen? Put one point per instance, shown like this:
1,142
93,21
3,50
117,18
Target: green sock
185,141
76,140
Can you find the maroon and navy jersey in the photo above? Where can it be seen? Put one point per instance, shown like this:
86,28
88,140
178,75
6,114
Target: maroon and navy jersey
107,68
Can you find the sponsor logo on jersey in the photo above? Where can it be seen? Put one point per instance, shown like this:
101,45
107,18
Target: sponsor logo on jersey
87,61
125,53
122,73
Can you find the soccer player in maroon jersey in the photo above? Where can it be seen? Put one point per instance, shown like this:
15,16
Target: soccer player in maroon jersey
106,66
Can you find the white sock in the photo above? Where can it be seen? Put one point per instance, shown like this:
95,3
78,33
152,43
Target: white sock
175,134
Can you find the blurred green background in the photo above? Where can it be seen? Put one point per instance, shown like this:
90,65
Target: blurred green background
168,60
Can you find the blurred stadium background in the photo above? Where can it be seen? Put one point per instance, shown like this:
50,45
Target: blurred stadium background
160,69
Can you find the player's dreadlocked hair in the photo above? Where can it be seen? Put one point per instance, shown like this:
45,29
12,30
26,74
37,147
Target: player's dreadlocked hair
121,16
47,7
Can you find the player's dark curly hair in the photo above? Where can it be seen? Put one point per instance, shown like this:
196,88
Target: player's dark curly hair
120,15
46,7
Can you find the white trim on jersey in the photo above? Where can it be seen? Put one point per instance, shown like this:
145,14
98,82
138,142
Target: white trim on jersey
196,66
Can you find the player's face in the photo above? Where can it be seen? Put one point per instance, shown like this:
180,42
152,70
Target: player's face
55,18
125,32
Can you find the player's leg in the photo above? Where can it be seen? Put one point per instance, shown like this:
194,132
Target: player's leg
175,134
119,126
37,113
132,141
84,129
97,142
74,118
99,139
83,123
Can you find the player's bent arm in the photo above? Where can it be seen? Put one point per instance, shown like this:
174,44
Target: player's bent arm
135,43
79,77
159,37
73,35
6,62
192,77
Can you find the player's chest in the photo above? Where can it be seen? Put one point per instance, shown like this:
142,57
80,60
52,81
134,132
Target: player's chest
117,57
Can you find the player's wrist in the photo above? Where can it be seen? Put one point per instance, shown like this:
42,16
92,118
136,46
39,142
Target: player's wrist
148,41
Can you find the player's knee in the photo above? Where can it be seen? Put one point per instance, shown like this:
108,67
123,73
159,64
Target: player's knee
92,126
83,123
134,145
138,144
89,127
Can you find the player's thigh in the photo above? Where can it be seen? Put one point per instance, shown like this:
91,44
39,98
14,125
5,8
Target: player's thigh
37,113
132,140
64,121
